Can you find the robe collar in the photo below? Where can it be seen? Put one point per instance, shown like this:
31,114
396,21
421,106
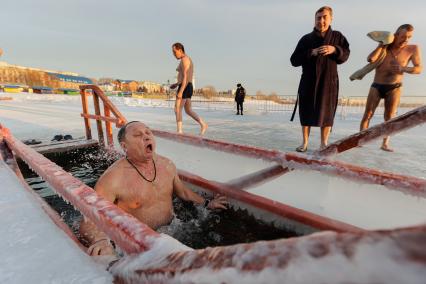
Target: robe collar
318,33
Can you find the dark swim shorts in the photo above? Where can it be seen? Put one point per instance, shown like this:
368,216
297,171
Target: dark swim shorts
187,93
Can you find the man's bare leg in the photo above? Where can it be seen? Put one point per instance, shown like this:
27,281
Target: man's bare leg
305,134
391,106
191,113
178,112
325,133
373,101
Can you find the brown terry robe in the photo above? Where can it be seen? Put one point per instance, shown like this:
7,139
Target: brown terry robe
319,85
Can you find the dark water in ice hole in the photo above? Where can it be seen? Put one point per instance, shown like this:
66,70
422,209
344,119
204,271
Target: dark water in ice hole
194,226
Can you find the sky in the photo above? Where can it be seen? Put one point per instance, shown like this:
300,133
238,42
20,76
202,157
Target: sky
230,41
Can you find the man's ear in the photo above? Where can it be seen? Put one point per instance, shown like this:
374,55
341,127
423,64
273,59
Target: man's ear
123,146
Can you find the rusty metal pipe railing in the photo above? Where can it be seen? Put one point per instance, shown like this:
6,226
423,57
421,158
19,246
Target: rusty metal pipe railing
125,230
308,259
108,107
290,160
8,157
403,122
391,180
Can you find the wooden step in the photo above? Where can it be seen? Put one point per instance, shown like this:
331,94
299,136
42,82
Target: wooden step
47,146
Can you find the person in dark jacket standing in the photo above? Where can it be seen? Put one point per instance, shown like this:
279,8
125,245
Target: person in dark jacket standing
240,95
318,53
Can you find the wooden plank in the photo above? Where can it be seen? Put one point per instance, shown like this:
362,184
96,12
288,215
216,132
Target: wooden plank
107,102
64,146
108,128
98,122
103,118
85,112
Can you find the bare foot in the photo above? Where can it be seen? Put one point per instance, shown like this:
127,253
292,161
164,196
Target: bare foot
204,127
386,148
302,148
322,147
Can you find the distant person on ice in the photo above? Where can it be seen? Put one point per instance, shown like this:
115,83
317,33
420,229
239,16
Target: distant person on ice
318,53
142,184
393,63
240,95
185,88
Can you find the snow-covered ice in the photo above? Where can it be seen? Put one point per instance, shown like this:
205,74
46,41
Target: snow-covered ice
42,116
33,249
367,206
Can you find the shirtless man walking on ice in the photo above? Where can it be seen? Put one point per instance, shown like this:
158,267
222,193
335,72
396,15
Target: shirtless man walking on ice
389,74
185,88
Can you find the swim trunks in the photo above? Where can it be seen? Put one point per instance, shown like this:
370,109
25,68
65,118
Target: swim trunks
187,93
383,89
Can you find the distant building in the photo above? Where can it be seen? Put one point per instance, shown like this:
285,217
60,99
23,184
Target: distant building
34,77
66,91
126,85
107,87
151,87
42,90
14,88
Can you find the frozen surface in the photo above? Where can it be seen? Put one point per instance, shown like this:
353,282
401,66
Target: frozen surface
33,249
363,205
208,163
42,116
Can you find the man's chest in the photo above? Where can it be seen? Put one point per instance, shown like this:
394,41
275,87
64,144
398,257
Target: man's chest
139,192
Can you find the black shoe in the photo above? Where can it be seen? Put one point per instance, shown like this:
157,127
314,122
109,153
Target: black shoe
32,142
58,137
237,113
241,113
68,137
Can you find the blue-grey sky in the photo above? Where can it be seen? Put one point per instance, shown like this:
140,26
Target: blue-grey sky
229,41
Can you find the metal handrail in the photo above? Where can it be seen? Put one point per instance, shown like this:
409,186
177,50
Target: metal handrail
109,107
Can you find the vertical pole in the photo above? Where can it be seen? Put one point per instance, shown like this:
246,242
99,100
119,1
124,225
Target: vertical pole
98,122
108,128
86,111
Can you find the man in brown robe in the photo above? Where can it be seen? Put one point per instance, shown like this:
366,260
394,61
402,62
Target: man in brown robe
318,53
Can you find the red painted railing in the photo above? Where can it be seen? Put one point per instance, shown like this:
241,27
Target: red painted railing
109,107
125,230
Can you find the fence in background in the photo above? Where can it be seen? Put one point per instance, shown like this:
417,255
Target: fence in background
346,106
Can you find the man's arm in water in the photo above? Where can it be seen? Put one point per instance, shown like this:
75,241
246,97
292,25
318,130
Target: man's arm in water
98,240
184,193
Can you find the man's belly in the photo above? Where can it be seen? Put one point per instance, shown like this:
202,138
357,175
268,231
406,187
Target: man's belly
385,75
154,217
387,78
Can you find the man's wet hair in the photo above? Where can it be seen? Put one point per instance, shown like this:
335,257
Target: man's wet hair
325,8
179,46
407,27
122,132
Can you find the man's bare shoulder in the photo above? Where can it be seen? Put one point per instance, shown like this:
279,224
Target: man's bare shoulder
113,174
186,60
165,163
412,48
